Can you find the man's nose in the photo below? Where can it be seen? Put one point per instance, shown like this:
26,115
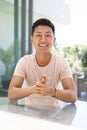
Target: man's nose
43,37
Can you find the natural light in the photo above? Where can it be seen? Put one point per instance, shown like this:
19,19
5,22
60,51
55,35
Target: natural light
76,31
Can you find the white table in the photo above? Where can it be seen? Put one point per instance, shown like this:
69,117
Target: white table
21,116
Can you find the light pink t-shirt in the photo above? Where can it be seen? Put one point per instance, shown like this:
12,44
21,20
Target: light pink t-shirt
57,69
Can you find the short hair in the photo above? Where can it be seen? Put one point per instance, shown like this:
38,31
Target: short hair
43,21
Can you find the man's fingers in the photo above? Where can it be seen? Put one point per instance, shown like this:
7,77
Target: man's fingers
44,79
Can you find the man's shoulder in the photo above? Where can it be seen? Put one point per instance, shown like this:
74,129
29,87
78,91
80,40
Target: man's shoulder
59,60
58,57
26,58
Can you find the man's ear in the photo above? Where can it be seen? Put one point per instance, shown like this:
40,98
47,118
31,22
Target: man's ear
54,40
31,38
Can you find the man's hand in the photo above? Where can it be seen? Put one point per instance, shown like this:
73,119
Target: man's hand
44,79
42,89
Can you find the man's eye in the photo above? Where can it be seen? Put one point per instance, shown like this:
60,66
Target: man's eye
38,35
48,35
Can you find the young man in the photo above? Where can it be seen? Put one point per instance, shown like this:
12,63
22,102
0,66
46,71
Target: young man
42,70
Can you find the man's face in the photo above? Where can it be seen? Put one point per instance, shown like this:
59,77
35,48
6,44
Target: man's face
43,38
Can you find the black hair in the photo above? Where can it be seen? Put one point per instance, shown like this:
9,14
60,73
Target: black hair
43,21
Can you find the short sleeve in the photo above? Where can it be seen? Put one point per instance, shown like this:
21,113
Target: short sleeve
65,69
20,67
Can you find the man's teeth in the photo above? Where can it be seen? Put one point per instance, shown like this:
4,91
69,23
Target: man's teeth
43,45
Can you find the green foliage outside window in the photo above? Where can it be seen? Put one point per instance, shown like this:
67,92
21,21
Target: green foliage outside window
84,59
7,56
76,55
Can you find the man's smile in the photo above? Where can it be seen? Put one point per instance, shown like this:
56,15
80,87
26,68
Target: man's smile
43,45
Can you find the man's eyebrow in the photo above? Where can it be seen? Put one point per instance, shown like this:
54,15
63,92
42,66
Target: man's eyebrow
48,32
37,32
41,32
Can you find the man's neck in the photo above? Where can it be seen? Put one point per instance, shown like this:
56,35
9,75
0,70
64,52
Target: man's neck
43,59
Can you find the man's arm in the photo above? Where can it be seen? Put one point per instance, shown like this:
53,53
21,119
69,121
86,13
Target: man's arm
69,92
16,91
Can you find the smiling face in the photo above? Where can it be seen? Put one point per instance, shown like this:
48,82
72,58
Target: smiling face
43,38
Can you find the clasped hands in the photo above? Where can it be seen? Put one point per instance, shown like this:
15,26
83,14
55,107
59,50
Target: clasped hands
42,89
